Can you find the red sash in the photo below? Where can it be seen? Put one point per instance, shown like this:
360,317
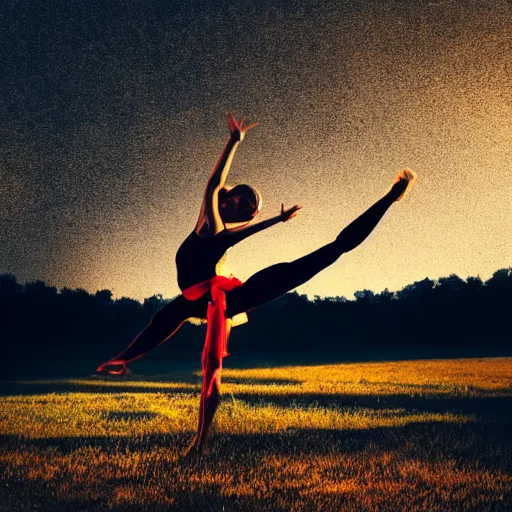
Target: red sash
215,346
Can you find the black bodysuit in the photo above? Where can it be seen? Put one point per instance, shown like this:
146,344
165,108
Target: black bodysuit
197,257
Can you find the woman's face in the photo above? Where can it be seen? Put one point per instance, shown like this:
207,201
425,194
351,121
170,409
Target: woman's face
228,209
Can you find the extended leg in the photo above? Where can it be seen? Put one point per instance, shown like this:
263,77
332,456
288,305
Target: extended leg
162,326
274,281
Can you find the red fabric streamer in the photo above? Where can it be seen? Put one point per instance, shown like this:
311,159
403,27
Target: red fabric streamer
215,346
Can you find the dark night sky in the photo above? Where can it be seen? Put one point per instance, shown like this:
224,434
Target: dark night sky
112,116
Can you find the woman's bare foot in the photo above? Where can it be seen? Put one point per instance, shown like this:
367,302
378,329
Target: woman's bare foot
403,183
115,367
194,449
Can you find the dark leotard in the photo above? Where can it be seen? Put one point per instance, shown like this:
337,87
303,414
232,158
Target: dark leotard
197,257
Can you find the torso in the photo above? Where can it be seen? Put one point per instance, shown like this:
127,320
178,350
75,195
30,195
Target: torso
199,258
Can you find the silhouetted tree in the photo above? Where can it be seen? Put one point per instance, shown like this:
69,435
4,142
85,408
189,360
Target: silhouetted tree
446,317
365,297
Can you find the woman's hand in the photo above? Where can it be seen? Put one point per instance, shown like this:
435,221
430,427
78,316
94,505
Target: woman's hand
237,129
290,212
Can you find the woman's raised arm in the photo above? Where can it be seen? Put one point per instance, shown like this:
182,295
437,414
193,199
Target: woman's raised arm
209,222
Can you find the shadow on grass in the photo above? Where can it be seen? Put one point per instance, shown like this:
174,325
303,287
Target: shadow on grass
40,496
176,383
260,381
109,387
485,444
487,407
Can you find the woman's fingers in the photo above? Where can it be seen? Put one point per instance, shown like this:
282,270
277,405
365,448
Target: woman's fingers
248,127
292,209
232,122
291,212
234,125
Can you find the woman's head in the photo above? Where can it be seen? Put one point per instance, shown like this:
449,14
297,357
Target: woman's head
239,204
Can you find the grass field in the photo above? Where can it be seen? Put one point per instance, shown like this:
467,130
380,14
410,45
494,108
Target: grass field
430,435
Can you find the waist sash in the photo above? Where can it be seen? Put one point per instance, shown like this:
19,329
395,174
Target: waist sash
215,346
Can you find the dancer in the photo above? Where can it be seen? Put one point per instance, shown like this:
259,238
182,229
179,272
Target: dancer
201,256
206,294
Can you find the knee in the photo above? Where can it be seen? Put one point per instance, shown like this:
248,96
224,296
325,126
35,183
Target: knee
158,318
159,321
169,316
342,244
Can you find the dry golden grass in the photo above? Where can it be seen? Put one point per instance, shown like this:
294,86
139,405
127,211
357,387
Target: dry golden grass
420,435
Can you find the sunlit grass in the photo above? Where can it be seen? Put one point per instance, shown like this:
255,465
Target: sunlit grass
420,377
418,435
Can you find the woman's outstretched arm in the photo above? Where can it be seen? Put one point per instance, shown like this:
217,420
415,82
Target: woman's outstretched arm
209,222
238,234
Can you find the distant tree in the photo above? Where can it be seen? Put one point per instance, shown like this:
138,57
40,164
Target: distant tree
10,298
78,297
385,296
416,290
152,304
104,298
452,283
329,300
127,303
475,284
365,296
501,279
9,286
39,289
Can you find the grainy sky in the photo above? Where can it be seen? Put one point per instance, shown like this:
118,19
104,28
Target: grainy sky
113,114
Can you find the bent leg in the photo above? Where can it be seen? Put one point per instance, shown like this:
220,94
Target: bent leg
163,325
274,281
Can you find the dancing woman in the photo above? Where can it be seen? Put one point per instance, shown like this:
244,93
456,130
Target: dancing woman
206,294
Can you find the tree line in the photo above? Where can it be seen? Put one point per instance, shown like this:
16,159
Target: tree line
448,317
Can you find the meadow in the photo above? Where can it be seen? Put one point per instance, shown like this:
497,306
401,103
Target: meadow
426,435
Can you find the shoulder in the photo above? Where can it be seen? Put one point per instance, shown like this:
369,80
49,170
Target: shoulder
204,231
